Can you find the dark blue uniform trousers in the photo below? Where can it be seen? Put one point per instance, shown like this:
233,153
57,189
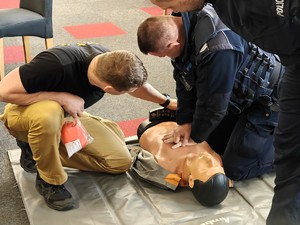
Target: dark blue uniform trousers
245,142
250,150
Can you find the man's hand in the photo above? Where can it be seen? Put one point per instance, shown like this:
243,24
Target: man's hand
180,136
72,104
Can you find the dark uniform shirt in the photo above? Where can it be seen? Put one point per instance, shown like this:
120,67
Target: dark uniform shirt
275,29
204,93
63,69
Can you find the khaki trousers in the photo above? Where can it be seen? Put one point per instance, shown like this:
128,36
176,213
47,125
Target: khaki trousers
40,124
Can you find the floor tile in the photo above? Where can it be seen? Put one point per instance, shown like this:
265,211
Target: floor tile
94,30
155,11
9,4
13,54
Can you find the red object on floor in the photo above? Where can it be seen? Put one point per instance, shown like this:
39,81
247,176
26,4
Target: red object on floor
13,54
154,11
71,133
9,4
129,127
94,30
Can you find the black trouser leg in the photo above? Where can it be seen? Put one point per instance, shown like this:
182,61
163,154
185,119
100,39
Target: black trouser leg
286,201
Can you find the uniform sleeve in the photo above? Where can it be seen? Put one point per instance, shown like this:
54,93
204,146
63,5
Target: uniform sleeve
186,100
213,85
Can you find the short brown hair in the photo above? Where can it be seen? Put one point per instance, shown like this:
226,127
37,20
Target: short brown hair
152,32
121,69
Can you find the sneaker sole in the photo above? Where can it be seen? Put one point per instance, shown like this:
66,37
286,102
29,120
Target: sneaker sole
64,205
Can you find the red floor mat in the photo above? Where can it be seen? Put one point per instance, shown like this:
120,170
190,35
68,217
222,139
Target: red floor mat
13,54
9,4
129,127
154,11
94,30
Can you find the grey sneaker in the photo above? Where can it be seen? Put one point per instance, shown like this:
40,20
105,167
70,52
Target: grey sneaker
27,162
56,196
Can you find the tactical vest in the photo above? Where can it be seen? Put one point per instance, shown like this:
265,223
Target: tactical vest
258,75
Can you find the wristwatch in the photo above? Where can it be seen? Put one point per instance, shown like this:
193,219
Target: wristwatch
167,102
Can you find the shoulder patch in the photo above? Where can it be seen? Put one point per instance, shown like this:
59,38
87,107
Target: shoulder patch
219,42
203,31
204,49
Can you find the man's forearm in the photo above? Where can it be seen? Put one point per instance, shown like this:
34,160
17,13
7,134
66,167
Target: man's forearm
27,99
149,93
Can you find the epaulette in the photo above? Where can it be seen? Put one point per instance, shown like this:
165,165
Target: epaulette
208,26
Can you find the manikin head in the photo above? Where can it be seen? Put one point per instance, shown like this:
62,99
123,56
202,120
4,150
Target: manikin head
207,180
180,5
206,175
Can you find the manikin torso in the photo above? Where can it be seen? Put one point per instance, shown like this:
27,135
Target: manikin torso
198,157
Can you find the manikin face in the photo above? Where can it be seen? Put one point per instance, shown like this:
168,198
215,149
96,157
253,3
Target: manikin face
179,5
203,167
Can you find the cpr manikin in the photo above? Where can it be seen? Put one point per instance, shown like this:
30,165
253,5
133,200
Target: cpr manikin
196,166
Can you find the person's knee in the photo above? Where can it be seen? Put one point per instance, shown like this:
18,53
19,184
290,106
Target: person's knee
235,173
241,173
120,165
49,117
124,165
114,163
235,169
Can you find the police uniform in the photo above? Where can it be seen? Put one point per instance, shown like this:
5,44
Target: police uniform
274,25
226,85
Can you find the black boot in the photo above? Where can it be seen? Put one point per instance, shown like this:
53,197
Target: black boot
27,162
56,196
